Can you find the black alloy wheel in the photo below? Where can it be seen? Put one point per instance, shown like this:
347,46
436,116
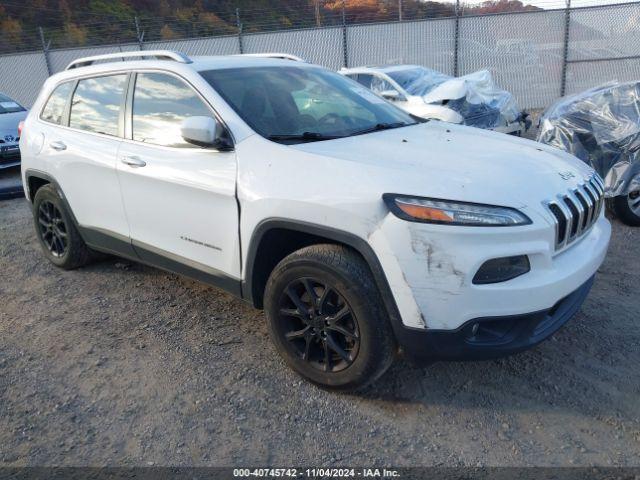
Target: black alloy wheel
56,230
52,228
319,325
327,319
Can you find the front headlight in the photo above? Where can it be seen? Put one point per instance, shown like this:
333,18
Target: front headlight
431,210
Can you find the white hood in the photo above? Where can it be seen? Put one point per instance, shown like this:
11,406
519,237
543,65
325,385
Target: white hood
455,162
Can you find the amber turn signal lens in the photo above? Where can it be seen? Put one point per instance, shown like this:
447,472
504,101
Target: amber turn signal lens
424,213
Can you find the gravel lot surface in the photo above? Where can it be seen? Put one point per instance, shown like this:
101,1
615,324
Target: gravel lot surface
121,364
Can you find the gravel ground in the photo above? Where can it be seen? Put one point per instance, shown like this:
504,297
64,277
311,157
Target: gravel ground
121,364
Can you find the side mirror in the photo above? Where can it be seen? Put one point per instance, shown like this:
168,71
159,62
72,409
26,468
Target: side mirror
390,95
202,131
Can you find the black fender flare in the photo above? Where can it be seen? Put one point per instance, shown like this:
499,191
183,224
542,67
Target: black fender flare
33,173
359,244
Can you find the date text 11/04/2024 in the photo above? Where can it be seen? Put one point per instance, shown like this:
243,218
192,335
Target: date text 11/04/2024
317,472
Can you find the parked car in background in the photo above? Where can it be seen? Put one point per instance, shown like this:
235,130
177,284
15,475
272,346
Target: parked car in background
472,99
361,230
11,114
601,126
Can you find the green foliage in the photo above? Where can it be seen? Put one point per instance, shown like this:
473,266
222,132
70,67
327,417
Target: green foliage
111,9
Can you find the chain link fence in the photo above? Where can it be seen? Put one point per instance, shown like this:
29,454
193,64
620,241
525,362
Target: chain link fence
603,45
430,43
537,55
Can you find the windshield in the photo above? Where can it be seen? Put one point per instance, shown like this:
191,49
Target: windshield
294,104
418,80
9,106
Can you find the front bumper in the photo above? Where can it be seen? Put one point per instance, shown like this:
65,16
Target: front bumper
444,315
513,128
517,127
492,337
9,156
430,269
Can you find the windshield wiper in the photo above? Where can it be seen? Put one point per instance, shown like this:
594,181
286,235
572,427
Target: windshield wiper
381,126
315,136
305,136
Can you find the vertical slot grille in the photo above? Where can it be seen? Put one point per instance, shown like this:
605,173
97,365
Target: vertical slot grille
576,211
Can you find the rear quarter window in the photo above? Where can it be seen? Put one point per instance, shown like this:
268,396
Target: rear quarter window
53,110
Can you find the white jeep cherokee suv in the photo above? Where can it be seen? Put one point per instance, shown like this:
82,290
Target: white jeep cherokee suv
361,231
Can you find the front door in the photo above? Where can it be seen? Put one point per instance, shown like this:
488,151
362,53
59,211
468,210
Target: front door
180,199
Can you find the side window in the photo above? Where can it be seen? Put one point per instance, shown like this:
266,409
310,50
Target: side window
95,106
54,108
364,79
379,85
160,103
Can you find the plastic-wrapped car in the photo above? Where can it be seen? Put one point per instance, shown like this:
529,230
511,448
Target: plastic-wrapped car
472,99
601,126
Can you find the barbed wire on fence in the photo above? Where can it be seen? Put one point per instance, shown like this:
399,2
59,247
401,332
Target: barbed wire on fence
101,29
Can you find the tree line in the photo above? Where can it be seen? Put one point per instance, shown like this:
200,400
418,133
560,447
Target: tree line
90,22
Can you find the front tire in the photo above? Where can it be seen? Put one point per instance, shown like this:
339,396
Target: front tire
627,208
56,231
326,317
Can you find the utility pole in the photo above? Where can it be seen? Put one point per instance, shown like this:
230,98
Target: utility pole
399,10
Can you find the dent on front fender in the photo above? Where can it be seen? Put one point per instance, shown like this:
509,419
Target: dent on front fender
384,239
416,267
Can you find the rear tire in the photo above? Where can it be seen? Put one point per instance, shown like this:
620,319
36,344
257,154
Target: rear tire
326,317
627,208
56,231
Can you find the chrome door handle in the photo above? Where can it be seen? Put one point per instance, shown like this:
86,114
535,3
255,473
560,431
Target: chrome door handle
133,161
59,146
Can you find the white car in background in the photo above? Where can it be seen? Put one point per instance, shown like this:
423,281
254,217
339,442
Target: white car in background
11,114
472,99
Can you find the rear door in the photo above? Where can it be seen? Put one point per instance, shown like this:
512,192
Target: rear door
180,199
81,144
